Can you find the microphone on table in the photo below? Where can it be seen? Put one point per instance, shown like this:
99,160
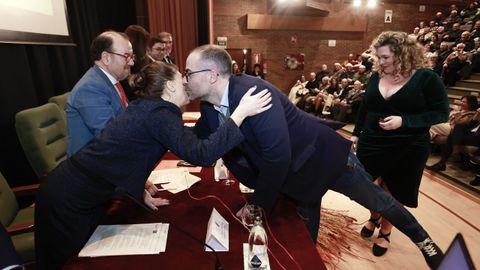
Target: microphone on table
121,191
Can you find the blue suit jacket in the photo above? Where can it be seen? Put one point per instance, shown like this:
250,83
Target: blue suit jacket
285,149
91,105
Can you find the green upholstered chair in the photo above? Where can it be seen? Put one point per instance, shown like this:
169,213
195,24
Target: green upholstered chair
18,222
61,101
42,132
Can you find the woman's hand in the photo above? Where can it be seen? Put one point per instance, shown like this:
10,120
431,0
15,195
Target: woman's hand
151,188
391,122
251,105
152,202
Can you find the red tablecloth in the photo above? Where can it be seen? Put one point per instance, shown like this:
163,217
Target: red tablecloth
184,253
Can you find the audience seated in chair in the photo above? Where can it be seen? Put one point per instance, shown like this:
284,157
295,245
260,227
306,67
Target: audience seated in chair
350,104
299,86
308,93
453,64
324,99
462,135
459,115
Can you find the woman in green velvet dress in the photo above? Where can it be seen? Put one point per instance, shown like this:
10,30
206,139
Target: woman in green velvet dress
402,100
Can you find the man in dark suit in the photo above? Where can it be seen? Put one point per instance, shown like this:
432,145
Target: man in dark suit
167,39
288,151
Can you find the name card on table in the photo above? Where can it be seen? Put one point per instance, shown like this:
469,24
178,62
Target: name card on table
217,232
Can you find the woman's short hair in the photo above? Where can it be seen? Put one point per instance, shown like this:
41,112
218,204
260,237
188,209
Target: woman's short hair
408,53
151,79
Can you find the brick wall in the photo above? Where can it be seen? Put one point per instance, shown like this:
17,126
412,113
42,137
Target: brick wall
229,18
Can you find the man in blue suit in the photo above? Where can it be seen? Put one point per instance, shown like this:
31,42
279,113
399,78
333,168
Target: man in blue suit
288,151
98,96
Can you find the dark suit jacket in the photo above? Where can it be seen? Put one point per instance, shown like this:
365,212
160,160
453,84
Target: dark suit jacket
285,149
172,60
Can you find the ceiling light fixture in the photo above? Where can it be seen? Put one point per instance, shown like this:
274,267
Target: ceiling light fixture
371,3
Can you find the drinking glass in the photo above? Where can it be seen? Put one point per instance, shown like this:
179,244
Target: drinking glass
248,219
226,180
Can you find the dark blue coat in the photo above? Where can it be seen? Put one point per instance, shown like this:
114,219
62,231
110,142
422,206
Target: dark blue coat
287,150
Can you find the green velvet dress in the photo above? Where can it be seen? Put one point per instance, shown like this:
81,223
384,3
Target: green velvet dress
399,156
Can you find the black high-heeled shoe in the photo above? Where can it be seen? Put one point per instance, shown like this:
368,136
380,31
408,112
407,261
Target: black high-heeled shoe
366,232
378,250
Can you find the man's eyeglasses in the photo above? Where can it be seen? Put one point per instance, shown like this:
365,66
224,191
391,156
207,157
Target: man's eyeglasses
127,56
187,73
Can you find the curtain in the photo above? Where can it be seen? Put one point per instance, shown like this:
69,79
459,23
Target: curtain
178,17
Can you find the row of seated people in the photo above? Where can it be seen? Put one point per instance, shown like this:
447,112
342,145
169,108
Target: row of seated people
329,98
461,130
452,42
336,94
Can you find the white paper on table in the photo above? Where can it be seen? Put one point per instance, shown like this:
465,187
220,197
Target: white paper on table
167,175
130,239
171,164
245,258
173,180
181,184
217,232
191,115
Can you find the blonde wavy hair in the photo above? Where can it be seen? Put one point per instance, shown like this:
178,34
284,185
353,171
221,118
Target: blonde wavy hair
408,53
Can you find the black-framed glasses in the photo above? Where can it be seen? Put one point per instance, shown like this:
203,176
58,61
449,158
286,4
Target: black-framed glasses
127,56
187,73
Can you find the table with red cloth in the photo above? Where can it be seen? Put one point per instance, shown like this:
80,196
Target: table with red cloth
192,215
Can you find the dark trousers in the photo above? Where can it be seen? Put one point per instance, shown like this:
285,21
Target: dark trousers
8,255
357,184
461,135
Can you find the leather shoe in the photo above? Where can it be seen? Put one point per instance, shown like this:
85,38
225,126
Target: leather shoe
439,166
475,159
476,181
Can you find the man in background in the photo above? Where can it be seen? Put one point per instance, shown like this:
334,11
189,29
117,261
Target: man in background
98,96
156,50
167,39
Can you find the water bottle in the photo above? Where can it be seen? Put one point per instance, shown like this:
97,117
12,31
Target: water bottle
257,246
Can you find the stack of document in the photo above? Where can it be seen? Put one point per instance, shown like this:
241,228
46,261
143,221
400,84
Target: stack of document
131,239
173,180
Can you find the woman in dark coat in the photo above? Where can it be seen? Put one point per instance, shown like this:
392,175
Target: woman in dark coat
71,200
402,100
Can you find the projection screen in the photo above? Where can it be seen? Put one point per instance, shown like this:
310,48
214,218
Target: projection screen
34,22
